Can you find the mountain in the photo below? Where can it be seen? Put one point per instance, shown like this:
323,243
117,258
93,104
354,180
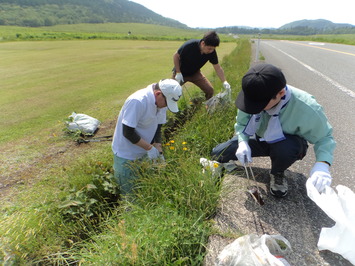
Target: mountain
36,13
318,24
301,27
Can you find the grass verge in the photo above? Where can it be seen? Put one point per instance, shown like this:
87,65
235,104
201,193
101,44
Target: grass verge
329,38
74,216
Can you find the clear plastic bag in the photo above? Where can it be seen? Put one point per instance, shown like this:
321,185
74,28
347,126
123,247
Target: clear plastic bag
340,208
252,250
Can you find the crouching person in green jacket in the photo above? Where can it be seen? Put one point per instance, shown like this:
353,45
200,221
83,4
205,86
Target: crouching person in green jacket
277,120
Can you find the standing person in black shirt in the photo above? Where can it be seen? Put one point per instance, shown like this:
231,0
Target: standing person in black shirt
192,56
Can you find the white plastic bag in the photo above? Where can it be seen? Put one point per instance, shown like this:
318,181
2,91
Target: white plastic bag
83,123
217,168
251,250
340,208
219,100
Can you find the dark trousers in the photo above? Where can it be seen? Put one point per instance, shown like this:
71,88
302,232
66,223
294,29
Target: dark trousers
282,154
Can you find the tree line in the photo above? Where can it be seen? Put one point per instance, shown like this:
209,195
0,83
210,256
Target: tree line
300,30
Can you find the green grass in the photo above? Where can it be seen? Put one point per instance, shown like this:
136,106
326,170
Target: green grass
113,31
63,211
44,82
331,38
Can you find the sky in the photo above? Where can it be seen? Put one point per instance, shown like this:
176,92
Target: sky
252,13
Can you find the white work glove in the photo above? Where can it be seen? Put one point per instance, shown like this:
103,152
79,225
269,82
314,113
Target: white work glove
226,85
243,152
153,153
179,78
320,176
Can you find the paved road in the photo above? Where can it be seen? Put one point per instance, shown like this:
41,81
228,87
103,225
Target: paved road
328,72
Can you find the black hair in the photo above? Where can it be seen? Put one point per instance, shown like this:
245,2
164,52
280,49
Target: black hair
211,39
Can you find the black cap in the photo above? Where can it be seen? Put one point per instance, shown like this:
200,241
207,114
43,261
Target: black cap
259,85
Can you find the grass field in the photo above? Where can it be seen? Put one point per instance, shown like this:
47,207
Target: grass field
43,82
334,38
112,31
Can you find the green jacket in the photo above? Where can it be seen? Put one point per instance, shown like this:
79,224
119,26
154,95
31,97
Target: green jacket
302,116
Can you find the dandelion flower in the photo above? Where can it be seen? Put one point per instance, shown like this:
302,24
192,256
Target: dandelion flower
184,149
172,148
184,143
172,141
215,165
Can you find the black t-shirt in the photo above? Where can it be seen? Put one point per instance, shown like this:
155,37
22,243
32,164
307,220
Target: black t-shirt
191,59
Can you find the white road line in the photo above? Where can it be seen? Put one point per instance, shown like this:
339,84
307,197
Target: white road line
333,82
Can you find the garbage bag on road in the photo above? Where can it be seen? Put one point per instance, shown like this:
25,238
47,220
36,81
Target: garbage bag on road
252,250
340,208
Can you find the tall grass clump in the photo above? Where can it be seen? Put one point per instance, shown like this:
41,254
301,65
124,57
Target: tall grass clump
80,220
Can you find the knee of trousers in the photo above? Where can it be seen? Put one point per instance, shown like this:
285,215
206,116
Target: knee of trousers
289,150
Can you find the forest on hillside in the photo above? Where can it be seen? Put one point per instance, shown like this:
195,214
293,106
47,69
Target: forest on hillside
297,30
37,13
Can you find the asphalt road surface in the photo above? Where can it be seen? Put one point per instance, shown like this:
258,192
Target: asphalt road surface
326,71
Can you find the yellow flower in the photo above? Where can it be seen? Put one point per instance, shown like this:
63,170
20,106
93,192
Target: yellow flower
172,141
184,149
172,148
215,165
184,143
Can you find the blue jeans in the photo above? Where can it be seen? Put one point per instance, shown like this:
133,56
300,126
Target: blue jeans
282,154
124,174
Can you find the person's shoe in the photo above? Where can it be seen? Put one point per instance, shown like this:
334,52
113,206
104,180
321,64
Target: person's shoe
278,185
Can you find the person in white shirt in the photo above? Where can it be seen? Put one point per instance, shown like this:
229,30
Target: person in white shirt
138,129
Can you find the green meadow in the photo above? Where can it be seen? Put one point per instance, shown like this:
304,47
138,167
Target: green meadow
114,31
61,206
44,82
348,39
